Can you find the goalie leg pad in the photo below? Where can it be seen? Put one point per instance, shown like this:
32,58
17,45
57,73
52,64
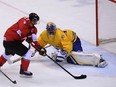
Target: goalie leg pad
71,60
86,58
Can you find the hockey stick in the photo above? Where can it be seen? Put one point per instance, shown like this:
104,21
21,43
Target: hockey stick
76,77
33,54
8,77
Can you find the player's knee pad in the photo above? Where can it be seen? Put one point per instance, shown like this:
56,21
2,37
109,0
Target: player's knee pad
70,59
28,55
7,57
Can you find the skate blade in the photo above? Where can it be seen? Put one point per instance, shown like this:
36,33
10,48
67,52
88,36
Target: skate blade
25,76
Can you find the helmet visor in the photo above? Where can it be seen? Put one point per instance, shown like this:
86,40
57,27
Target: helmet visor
34,21
51,31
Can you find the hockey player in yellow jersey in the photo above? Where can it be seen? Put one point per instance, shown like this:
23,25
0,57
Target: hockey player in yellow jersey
68,47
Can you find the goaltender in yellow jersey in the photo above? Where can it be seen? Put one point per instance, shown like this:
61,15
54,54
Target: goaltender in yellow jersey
69,47
59,40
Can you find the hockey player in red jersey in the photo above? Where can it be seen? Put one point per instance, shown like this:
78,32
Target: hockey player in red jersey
22,30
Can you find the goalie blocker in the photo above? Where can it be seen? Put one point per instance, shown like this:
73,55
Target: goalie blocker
81,58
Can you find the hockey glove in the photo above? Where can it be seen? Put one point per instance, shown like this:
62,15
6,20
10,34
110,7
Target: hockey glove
41,50
61,56
29,39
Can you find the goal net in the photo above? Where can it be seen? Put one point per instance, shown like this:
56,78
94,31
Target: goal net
105,21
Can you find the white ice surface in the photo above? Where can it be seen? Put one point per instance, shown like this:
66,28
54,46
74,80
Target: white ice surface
47,73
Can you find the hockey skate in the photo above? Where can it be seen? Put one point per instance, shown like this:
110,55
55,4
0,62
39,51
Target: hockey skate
25,73
102,63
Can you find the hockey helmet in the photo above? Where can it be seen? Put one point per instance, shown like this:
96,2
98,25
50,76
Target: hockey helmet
34,18
51,28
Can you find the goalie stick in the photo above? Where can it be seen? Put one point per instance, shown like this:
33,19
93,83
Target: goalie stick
8,77
76,77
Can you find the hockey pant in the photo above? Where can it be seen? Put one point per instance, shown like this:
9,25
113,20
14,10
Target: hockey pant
16,47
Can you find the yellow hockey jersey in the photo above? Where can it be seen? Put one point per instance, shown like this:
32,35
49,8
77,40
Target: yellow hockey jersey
62,39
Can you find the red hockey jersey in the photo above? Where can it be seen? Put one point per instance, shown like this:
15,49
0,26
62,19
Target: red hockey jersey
20,30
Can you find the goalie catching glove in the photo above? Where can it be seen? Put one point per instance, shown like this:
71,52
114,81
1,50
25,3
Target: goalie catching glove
59,56
42,51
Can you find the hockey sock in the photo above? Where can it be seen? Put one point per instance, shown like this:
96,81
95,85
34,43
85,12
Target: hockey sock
2,60
25,64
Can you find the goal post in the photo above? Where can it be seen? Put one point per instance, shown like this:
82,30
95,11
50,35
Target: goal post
105,21
96,9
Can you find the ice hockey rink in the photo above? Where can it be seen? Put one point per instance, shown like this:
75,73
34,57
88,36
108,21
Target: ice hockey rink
46,73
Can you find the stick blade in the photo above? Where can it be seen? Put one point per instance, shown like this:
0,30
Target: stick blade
80,77
15,82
